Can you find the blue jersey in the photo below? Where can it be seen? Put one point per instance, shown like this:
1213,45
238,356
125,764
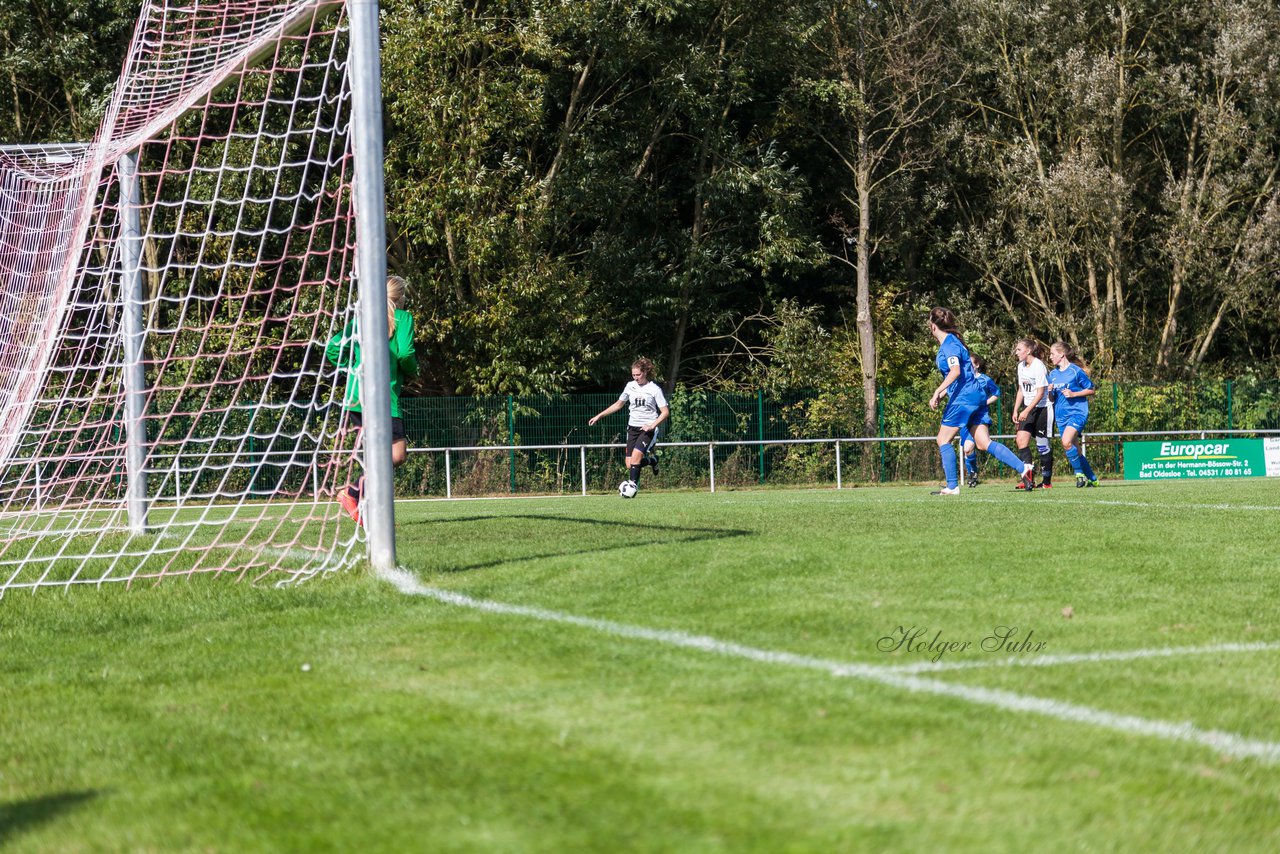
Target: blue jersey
988,386
1071,377
952,353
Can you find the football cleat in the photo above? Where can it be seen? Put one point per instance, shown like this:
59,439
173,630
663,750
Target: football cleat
1080,481
1045,485
973,481
947,490
350,504
1091,483
1028,477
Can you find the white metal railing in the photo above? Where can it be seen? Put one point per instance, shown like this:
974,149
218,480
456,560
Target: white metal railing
712,445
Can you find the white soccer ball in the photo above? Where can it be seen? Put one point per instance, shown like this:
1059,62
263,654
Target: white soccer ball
627,489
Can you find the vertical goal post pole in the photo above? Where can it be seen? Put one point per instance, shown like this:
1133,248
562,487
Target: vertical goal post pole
134,328
371,274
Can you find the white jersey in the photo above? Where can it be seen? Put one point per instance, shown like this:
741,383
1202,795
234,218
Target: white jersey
1032,377
646,402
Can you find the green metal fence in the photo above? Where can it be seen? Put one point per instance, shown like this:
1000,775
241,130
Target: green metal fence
457,422
561,421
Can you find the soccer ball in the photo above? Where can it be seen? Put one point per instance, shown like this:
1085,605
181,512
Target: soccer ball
627,489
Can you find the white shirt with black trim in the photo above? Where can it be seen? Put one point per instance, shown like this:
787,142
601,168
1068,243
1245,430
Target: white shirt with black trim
646,402
1032,377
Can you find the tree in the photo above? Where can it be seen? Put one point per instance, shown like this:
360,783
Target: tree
466,87
607,168
682,187
1059,101
1220,159
58,60
883,77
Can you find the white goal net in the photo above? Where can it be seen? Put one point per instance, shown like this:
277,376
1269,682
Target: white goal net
166,295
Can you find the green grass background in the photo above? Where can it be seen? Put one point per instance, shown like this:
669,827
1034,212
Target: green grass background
342,714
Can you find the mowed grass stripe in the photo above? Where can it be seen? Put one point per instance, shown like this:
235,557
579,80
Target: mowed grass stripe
1225,743
340,714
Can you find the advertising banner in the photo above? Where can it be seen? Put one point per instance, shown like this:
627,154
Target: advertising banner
1200,458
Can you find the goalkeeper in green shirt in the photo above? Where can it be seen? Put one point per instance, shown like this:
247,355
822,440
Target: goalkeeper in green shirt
343,350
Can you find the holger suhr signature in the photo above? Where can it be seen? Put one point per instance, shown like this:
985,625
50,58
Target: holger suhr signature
924,641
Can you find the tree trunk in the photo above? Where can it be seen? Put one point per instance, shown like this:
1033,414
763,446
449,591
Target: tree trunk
1178,273
865,324
1115,258
1099,328
677,346
1209,334
1170,329
566,129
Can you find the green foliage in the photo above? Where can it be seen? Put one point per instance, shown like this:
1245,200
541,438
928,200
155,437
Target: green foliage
598,166
59,59
570,184
799,352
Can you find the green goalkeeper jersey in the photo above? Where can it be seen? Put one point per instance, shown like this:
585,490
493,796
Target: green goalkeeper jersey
343,350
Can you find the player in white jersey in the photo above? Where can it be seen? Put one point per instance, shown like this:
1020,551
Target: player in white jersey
1031,410
647,410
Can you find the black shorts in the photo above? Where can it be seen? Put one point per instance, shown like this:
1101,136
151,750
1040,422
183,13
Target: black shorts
397,425
641,439
1038,424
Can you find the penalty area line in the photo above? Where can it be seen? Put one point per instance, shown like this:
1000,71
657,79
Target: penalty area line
1225,743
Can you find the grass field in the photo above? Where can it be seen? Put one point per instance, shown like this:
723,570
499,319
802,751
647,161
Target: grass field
743,671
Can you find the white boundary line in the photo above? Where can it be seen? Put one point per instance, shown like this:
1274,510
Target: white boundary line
1226,743
978,499
1272,508
1082,657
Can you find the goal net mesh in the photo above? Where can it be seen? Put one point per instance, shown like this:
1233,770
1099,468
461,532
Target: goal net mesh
237,114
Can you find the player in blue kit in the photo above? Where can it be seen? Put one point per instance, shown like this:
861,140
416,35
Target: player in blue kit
1071,389
970,448
966,403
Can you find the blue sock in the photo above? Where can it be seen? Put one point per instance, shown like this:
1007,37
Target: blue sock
971,464
1088,469
948,452
1073,457
1006,456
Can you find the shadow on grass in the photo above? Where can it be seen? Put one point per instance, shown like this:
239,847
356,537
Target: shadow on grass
20,816
673,534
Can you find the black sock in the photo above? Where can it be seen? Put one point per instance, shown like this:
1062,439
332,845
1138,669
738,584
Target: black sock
1046,466
635,475
1024,454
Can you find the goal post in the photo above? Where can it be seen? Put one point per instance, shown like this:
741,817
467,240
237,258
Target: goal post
134,371
167,293
371,264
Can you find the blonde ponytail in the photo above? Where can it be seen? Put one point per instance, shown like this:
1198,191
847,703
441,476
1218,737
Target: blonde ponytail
396,287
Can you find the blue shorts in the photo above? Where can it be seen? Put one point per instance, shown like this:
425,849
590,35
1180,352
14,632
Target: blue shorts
966,413
1076,421
966,437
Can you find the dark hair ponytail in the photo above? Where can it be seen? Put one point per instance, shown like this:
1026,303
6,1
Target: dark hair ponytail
944,319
